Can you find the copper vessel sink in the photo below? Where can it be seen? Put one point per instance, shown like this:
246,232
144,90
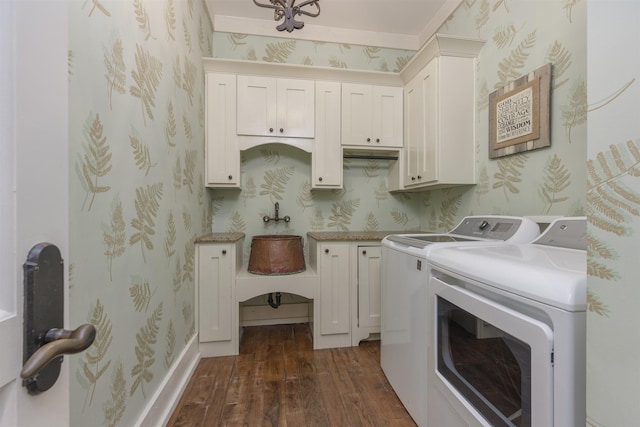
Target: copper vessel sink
276,254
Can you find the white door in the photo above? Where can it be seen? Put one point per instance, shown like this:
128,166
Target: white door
33,185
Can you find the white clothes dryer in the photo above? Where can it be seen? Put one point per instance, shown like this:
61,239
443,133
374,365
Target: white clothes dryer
404,277
508,332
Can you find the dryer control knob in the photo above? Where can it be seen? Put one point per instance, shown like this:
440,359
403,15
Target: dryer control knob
484,224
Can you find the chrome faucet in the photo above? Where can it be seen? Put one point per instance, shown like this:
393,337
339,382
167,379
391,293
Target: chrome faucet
277,216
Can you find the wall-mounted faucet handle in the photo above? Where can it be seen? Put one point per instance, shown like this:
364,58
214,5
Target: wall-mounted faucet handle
276,218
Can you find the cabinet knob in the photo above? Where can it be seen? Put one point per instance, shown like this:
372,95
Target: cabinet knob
419,176
320,179
271,130
230,177
364,252
224,252
326,251
281,130
413,178
368,139
378,140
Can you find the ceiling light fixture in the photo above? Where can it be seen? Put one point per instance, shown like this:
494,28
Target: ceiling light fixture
288,10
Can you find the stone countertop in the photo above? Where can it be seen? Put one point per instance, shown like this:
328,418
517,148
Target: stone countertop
352,236
220,238
321,236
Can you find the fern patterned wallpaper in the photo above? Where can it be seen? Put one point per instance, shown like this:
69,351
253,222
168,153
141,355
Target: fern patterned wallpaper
279,173
137,138
613,193
521,36
137,200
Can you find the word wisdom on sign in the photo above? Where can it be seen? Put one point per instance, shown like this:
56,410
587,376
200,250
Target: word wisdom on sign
515,116
519,114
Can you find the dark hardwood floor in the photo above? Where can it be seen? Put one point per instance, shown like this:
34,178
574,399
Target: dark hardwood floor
279,380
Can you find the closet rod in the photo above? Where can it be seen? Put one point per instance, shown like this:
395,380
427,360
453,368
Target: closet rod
368,157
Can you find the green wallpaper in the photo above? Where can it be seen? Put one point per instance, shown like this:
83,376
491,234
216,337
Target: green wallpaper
137,143
278,173
322,54
613,194
136,146
522,36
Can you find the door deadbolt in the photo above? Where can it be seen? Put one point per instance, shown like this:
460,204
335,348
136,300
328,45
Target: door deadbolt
45,340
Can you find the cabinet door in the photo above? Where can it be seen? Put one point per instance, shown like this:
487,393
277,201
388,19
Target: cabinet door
371,115
222,153
357,114
431,96
414,130
334,288
387,116
257,105
215,265
327,151
369,286
295,108
421,133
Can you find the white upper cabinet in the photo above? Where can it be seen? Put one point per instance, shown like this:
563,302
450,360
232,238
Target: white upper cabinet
277,107
430,104
326,167
420,109
439,124
439,117
371,116
222,153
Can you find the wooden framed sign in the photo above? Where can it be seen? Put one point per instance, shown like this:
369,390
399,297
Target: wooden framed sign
519,114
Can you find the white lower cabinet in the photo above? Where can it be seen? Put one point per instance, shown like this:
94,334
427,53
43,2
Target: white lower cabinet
342,279
217,316
348,304
366,319
333,299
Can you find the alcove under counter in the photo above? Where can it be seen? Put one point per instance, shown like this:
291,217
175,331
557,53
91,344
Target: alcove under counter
340,313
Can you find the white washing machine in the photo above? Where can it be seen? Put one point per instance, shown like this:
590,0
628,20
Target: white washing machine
404,276
508,332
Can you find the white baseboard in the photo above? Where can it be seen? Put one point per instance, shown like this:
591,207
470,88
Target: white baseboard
161,406
260,315
279,321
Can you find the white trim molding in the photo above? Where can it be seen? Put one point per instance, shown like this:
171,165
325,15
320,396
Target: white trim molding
161,406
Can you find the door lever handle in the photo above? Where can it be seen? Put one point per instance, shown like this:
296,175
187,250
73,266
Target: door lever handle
44,340
58,342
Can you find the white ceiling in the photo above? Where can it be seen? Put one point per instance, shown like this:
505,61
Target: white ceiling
402,24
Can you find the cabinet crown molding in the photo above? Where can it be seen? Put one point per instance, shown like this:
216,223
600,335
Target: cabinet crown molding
441,45
310,72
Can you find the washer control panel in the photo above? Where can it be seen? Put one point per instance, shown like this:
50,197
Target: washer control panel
472,228
495,227
569,232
